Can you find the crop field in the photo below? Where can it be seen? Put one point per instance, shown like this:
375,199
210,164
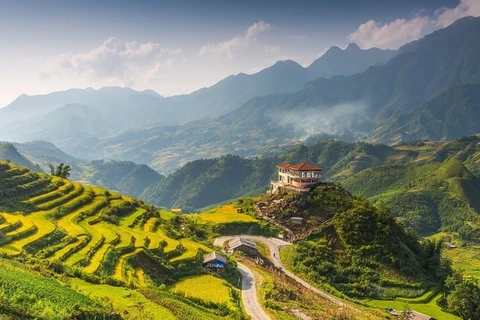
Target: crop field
69,221
205,287
225,214
466,259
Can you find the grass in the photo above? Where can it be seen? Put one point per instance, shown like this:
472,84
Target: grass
225,214
205,287
429,308
131,303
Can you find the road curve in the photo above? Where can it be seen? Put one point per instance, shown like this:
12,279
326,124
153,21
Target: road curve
249,294
273,246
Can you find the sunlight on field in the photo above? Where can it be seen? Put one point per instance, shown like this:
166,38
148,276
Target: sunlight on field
205,287
136,305
225,214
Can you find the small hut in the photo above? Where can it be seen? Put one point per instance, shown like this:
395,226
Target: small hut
243,245
215,262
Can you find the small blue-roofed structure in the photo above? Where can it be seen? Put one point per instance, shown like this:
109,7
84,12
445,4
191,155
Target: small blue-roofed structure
215,262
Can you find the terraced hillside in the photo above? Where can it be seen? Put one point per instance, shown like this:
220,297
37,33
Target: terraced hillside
83,226
94,234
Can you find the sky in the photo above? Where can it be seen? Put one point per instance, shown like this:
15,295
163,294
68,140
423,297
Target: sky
177,47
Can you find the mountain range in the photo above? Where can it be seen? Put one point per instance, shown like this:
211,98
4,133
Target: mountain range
373,105
76,119
410,94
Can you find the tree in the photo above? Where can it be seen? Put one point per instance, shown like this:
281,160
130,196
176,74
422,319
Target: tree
62,170
464,300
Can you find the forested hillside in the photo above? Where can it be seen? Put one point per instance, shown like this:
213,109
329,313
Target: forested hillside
362,242
202,183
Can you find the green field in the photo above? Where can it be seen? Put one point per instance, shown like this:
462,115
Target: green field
429,308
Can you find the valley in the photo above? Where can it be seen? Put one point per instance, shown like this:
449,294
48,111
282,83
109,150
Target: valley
304,160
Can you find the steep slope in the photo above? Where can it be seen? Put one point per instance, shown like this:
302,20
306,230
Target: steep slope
451,114
9,152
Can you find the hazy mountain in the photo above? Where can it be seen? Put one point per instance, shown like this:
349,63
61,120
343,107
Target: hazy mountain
69,117
351,106
9,152
453,113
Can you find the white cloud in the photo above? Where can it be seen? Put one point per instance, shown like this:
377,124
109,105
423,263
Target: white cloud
240,42
464,9
393,34
114,60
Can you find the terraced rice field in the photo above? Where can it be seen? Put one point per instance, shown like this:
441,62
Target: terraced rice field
67,215
206,287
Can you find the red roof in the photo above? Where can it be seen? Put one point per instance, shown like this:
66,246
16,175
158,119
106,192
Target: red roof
283,165
305,166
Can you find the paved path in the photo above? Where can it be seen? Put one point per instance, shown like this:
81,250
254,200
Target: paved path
249,294
274,245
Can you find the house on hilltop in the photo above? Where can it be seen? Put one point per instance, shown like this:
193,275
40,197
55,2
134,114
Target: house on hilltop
297,177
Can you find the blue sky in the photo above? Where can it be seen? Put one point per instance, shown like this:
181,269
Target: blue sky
177,47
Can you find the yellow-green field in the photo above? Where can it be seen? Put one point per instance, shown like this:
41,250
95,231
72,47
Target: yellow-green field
74,209
466,259
225,214
205,287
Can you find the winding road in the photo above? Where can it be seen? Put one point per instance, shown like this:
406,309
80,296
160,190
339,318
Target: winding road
249,295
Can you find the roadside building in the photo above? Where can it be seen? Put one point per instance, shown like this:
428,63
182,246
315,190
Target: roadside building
215,262
243,245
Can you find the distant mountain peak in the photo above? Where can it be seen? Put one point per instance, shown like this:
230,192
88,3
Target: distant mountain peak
352,47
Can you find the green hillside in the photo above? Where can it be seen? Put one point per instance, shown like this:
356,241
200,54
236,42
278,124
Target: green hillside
102,238
429,197
202,183
362,251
